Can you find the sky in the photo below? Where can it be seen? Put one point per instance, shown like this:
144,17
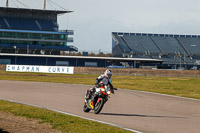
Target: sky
93,21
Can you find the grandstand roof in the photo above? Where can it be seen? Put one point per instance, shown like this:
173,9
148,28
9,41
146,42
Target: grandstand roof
84,57
26,10
32,31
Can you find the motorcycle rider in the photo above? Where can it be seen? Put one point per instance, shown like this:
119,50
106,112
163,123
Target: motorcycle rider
101,81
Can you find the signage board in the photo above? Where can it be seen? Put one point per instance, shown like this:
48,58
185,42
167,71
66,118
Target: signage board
41,69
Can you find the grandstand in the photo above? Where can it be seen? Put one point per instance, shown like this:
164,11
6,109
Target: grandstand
33,31
174,50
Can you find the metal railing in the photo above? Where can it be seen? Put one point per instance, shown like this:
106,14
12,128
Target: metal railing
70,32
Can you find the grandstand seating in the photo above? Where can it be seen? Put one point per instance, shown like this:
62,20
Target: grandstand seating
168,44
3,24
121,44
32,30
134,44
22,23
172,49
141,43
192,45
28,24
47,25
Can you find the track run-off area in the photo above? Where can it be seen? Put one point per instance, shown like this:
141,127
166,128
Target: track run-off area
140,111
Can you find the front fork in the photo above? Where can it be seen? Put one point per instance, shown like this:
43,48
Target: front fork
99,99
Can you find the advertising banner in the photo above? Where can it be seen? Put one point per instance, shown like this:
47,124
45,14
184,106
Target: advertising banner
41,69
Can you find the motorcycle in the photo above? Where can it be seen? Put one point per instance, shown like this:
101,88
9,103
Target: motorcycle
103,95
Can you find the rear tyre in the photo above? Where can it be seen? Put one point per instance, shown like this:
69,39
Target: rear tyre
98,107
85,108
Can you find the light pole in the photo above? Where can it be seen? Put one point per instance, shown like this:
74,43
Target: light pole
15,47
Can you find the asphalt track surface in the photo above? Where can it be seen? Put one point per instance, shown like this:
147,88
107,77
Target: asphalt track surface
145,112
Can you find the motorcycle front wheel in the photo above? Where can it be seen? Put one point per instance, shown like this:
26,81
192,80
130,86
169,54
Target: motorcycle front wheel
85,108
98,107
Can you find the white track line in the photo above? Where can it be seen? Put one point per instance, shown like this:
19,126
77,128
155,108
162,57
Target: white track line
132,130
111,124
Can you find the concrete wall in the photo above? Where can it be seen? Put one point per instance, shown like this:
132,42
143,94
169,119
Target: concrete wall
133,72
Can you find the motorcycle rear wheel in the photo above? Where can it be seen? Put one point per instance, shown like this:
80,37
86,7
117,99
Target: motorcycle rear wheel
85,108
98,107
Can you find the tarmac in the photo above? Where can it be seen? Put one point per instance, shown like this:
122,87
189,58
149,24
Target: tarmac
137,110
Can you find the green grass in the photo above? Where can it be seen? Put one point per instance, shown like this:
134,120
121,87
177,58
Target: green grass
186,87
59,121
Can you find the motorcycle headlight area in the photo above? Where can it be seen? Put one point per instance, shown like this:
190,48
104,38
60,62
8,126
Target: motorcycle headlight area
109,92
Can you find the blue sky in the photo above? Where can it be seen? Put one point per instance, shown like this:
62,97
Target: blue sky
94,20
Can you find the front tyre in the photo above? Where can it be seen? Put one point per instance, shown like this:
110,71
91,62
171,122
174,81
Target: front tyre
85,108
98,107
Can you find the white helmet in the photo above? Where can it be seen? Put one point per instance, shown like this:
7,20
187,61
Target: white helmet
108,73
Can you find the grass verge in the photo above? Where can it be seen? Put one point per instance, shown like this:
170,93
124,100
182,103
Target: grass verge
186,87
58,121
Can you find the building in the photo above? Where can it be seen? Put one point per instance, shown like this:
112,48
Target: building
77,61
32,37
174,50
33,31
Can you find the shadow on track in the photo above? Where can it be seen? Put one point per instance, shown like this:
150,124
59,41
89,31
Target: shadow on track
2,131
136,115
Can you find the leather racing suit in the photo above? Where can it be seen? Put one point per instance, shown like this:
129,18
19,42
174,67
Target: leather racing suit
101,81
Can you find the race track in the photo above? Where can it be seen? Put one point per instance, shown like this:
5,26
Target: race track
145,112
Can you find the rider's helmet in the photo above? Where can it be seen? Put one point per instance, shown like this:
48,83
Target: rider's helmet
108,73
